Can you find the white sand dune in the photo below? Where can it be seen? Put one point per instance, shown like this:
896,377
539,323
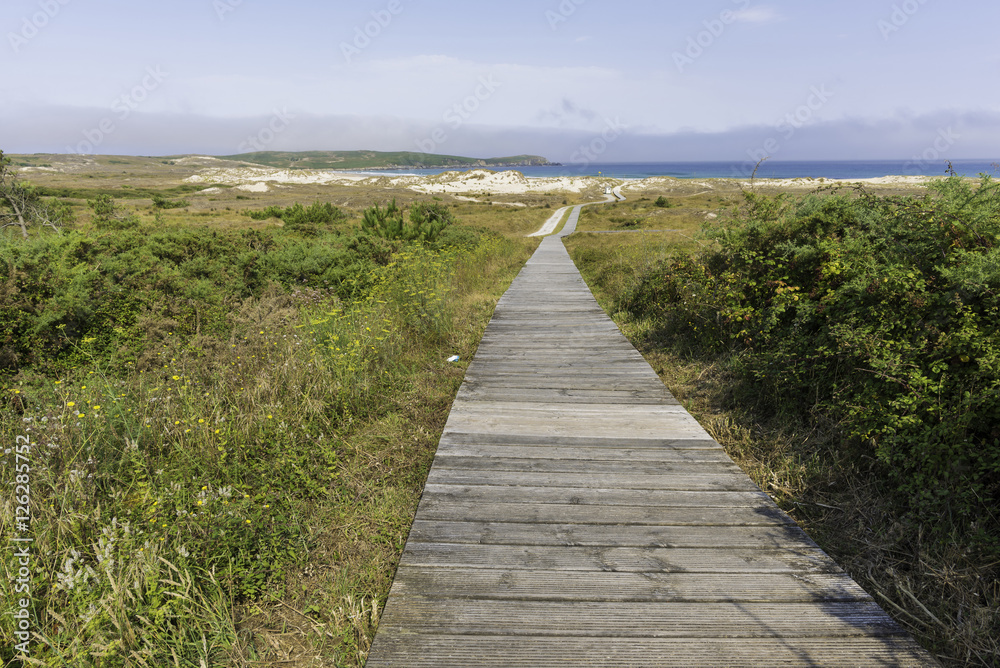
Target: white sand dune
475,181
813,183
485,181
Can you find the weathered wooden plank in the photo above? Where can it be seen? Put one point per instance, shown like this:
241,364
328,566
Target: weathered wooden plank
553,409
499,371
557,385
631,559
557,351
595,454
525,389
453,436
566,396
536,338
541,339
593,467
640,619
549,513
505,371
528,585
512,389
719,483
496,651
559,354
561,375
555,363
491,494
565,423
673,533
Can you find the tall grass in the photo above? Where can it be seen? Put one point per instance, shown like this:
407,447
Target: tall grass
240,495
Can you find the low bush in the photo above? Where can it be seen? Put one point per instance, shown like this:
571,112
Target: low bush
308,220
109,215
880,313
426,224
161,202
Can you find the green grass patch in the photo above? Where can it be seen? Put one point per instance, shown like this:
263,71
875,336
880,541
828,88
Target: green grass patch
123,192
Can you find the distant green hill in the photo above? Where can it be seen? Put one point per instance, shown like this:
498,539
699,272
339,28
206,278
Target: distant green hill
377,160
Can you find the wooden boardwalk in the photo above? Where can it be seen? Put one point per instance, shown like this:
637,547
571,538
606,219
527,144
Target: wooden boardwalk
576,515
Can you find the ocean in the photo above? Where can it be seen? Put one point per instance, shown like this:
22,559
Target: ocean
771,169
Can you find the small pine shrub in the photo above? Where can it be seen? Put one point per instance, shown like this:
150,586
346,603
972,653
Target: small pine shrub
307,220
426,222
109,215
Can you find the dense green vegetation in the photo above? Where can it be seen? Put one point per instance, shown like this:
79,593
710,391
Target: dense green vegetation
881,313
230,429
376,160
305,220
124,192
426,224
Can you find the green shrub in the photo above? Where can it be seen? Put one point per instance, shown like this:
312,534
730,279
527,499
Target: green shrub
56,292
109,215
302,219
880,312
161,202
427,222
111,287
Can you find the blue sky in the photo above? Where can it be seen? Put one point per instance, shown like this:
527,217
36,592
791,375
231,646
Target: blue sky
568,79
